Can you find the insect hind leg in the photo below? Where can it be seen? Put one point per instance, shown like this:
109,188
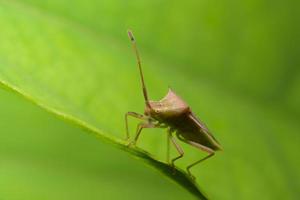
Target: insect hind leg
197,162
198,146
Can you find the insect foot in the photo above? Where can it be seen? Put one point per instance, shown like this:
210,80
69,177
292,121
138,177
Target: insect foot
173,169
131,143
126,138
192,177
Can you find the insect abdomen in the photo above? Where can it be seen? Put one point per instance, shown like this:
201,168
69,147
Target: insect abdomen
192,130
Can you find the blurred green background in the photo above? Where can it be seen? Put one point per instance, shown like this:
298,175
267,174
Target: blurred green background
235,62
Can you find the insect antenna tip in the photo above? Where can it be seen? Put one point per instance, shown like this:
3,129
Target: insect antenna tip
130,35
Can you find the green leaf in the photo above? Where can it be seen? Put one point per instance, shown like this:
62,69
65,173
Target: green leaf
72,73
81,68
42,157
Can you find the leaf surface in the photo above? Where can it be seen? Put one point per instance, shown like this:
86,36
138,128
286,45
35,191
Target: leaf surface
64,64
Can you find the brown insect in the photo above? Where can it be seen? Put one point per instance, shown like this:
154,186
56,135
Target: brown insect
172,113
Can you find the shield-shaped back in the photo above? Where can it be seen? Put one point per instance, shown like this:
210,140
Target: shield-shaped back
168,107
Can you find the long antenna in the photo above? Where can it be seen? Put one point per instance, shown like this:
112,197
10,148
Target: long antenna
140,66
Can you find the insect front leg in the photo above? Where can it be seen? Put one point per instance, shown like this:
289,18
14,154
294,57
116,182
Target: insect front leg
178,148
135,115
140,127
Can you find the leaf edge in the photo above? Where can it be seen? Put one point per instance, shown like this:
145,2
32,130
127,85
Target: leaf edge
176,175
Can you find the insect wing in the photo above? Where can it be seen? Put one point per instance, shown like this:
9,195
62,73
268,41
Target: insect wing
204,129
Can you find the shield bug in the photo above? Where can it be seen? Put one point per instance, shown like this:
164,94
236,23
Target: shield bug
173,113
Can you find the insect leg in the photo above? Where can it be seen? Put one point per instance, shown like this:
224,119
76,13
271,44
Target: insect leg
194,144
132,114
168,147
178,148
203,148
140,128
199,161
198,146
